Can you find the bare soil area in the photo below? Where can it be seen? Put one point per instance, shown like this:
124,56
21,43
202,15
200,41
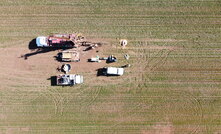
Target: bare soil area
32,67
160,128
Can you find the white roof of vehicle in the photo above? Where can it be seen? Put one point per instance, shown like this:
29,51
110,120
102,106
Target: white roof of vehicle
77,78
41,41
115,71
120,71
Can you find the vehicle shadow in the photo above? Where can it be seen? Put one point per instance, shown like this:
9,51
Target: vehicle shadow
53,80
58,57
100,72
35,50
32,45
38,51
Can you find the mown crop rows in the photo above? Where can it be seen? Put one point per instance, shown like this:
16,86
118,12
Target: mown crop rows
172,86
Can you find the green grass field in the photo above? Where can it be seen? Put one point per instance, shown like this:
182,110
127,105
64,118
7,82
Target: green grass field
173,85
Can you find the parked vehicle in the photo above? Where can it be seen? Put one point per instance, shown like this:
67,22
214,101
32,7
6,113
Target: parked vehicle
69,79
59,40
69,56
113,71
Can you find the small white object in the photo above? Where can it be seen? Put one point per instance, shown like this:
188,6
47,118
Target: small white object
123,42
66,68
126,56
96,59
78,79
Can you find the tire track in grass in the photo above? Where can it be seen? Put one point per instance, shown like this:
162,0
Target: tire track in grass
131,114
162,61
189,108
62,98
73,97
179,106
80,96
57,100
149,62
93,97
88,98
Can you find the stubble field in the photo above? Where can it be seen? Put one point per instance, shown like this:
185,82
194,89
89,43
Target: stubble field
172,86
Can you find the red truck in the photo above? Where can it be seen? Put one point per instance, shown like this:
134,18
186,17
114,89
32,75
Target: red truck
59,40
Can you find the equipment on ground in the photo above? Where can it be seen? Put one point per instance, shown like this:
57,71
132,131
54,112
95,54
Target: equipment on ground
66,68
126,56
125,66
123,43
94,59
69,56
111,59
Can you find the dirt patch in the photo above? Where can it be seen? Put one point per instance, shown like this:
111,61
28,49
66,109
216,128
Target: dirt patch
2,116
27,68
11,130
160,128
217,132
25,129
15,71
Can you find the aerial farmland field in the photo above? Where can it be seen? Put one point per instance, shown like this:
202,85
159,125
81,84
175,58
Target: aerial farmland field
172,86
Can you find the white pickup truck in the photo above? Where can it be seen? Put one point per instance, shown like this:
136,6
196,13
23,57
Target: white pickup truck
113,71
69,79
